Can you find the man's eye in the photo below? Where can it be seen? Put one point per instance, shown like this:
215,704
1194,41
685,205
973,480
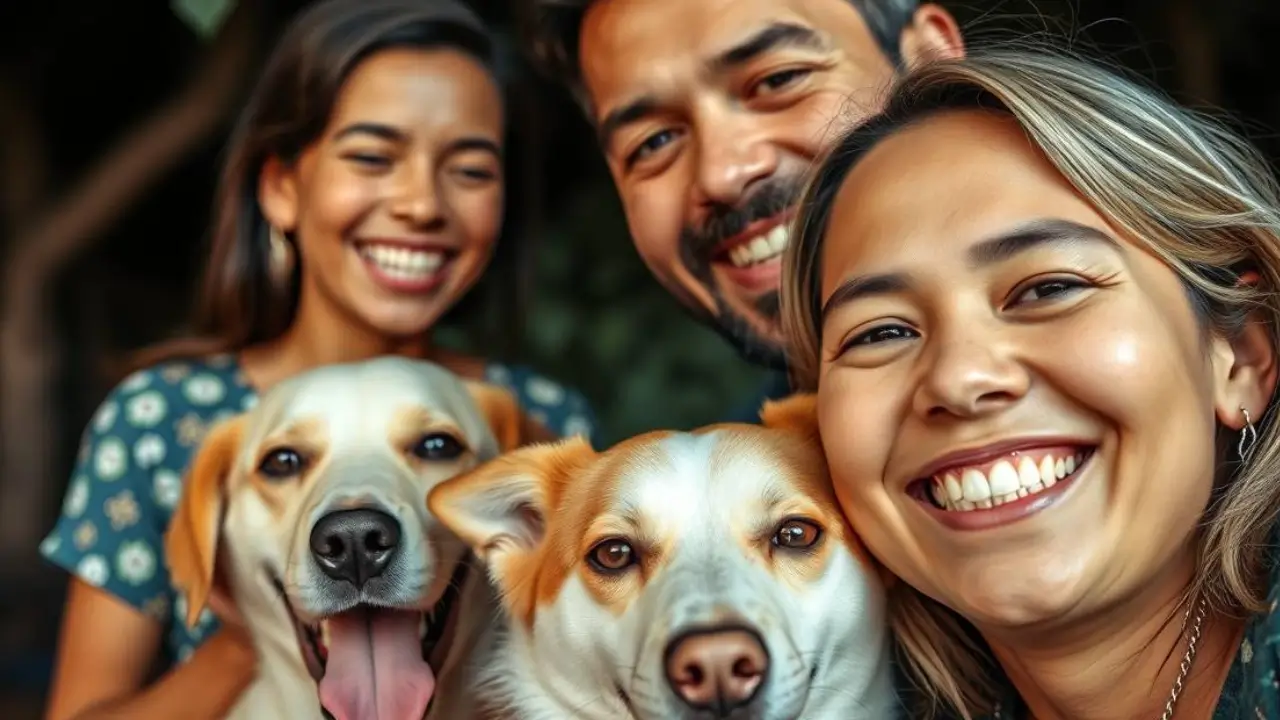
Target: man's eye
651,144
779,80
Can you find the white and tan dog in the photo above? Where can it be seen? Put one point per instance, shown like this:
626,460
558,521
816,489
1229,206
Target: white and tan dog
307,512
677,576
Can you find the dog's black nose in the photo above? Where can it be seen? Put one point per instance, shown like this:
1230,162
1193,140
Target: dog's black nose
718,669
355,545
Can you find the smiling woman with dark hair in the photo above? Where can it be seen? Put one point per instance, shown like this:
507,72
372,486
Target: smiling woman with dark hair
361,198
1038,303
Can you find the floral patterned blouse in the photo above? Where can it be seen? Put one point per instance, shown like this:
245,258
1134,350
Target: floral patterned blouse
133,455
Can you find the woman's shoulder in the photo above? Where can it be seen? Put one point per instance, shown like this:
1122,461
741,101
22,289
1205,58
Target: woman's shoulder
205,385
562,409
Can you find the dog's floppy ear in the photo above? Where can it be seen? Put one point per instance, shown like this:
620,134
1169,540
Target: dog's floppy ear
510,424
501,508
797,413
191,542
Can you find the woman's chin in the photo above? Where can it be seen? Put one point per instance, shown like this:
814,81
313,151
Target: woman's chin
1020,594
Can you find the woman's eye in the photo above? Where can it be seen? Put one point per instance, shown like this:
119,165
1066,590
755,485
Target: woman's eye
479,174
882,334
1048,289
779,80
368,159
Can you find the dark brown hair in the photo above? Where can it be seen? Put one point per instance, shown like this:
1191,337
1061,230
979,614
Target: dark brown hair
238,304
552,30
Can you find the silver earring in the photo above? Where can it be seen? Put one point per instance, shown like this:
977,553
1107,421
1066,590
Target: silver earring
1248,437
280,257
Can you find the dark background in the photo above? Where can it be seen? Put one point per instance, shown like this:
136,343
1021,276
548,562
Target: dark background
112,119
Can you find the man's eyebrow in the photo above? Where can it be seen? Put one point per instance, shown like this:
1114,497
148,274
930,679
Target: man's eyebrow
634,111
988,252
771,37
378,130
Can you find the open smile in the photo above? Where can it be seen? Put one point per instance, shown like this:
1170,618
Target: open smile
753,258
405,267
371,661
984,491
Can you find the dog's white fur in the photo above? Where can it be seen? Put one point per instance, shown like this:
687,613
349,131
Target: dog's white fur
699,508
356,422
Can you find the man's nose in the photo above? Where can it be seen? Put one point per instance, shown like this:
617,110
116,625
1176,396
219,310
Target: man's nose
732,157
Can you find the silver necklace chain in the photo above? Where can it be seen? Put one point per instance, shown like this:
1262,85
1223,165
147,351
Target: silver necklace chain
1190,655
1193,641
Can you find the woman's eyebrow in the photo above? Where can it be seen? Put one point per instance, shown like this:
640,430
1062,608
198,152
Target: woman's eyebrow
378,130
991,251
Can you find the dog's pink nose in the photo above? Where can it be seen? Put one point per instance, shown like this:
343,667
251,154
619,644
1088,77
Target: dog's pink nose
717,670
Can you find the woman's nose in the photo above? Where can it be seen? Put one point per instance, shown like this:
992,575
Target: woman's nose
970,372
416,198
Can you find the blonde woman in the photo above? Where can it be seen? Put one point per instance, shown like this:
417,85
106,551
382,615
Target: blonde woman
1037,302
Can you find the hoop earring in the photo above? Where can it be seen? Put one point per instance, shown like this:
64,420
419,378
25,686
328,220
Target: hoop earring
1248,437
280,257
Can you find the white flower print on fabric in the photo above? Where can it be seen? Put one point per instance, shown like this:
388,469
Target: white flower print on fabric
204,389
77,497
111,459
577,425
180,607
149,451
146,410
166,488
135,562
499,375
50,545
94,570
248,402
105,418
137,381
543,391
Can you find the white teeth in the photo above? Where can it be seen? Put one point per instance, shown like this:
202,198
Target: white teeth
403,263
760,248
975,486
1005,481
1028,473
954,491
1047,474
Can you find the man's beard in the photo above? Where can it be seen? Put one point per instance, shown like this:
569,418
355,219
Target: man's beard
697,249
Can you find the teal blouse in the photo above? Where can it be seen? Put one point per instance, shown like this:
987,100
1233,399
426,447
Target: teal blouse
133,455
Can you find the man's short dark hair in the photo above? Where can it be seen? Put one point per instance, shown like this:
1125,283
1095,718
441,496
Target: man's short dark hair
553,28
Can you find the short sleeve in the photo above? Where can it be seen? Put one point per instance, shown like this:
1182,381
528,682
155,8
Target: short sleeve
110,530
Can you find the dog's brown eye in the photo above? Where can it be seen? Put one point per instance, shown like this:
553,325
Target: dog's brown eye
281,463
438,446
611,556
797,534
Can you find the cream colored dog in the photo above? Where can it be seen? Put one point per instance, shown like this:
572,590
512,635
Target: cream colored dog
677,576
307,512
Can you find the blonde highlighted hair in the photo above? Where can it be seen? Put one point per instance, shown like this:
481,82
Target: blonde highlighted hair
1182,184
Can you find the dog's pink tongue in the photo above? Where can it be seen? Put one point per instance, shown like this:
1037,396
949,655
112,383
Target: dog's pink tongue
375,669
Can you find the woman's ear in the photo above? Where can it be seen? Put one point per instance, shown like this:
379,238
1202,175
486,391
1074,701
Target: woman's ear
1245,369
278,193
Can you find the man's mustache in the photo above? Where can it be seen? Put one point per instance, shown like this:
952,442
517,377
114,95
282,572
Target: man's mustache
699,243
